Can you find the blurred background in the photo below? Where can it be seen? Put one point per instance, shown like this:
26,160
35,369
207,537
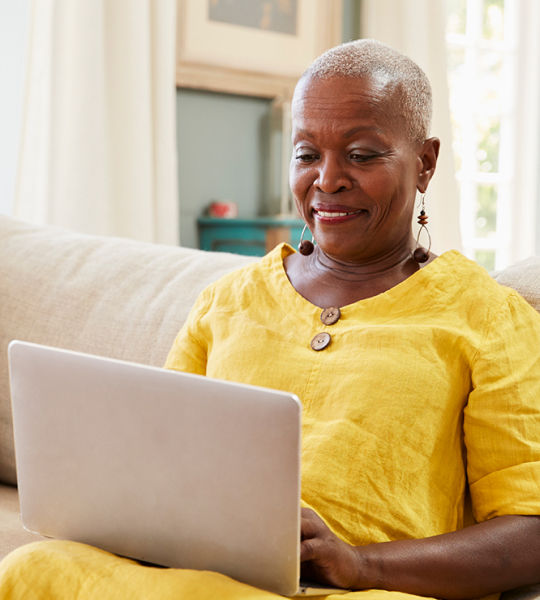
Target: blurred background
168,120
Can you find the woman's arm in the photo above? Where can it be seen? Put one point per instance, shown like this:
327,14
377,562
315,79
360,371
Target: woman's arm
489,557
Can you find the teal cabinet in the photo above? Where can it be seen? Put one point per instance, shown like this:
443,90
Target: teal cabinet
253,237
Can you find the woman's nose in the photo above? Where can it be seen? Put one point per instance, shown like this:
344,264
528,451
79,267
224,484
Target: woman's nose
332,176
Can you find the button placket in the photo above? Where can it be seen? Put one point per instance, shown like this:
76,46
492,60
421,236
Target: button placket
329,316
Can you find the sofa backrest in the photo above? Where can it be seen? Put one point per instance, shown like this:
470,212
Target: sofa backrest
107,296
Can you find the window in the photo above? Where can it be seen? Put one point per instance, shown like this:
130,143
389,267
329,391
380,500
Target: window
484,54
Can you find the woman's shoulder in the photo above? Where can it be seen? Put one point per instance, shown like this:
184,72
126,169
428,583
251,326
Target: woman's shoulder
465,278
252,279
468,285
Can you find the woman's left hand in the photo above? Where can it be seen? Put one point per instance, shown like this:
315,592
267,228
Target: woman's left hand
325,558
499,554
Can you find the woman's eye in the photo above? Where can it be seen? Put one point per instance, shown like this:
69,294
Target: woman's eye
359,157
305,157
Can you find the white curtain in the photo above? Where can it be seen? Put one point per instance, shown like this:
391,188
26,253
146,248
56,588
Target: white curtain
525,193
98,145
417,28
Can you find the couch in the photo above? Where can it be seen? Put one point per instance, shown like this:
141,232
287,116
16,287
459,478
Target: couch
116,298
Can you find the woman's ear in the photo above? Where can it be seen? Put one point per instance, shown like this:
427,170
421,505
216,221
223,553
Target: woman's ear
428,154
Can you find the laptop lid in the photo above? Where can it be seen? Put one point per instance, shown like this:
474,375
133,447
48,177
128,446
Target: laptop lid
171,468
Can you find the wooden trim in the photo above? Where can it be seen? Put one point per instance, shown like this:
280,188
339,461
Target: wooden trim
253,83
233,81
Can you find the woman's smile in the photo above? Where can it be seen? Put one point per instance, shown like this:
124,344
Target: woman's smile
336,214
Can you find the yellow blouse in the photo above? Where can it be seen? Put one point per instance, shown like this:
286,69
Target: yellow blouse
424,388
426,392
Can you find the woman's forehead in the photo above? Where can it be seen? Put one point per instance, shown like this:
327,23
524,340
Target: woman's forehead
334,99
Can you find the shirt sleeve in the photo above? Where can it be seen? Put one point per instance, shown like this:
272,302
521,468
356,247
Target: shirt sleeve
502,416
190,348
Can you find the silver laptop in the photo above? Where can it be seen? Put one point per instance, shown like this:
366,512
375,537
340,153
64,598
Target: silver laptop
170,468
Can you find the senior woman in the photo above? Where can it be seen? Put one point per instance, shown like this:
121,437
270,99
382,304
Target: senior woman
419,375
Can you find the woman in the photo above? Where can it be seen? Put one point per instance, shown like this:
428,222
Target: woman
419,375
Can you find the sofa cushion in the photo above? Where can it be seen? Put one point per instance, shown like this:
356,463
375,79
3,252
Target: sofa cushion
12,533
107,296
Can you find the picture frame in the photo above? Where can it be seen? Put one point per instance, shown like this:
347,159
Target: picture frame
217,50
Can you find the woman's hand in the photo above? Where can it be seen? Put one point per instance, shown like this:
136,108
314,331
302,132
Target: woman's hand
325,558
482,559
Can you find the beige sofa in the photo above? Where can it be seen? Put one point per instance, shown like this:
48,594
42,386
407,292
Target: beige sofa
114,298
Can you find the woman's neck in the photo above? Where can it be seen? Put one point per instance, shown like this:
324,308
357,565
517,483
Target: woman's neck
396,264
326,281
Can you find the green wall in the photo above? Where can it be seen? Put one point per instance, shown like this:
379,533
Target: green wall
223,148
225,145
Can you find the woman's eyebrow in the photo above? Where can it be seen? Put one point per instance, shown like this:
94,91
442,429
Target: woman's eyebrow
304,132
347,134
351,132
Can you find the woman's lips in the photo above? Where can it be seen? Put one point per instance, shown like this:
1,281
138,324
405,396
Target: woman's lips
336,215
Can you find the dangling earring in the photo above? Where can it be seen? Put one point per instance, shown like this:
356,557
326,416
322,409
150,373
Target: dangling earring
420,254
305,247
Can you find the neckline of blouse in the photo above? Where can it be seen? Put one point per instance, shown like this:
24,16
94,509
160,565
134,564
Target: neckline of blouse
416,279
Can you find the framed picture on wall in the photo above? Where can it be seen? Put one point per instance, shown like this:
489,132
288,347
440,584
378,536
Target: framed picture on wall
254,47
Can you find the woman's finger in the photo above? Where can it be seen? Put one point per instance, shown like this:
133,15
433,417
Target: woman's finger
310,526
310,549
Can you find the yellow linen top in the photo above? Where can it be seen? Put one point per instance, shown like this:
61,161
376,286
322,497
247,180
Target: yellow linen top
423,388
425,391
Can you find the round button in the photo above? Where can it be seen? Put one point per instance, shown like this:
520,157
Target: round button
320,341
330,315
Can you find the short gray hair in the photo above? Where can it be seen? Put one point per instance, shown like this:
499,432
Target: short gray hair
371,58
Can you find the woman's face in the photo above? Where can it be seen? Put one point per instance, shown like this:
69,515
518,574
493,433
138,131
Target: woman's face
354,172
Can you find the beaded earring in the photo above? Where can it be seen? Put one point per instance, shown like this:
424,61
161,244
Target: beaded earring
305,247
420,254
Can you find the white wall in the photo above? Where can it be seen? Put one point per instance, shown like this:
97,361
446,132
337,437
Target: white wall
14,21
